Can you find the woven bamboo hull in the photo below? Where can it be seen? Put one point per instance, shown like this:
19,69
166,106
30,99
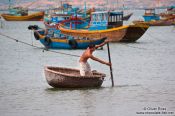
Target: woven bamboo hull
59,77
32,17
114,34
134,32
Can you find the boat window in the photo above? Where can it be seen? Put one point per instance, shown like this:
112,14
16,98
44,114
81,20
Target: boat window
109,19
102,17
97,17
113,18
93,17
106,16
118,18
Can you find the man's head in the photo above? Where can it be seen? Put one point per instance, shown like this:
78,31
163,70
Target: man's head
92,47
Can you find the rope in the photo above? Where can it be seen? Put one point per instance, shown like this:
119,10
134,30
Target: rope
37,46
124,44
150,34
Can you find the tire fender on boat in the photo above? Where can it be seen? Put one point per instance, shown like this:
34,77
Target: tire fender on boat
47,41
73,43
36,36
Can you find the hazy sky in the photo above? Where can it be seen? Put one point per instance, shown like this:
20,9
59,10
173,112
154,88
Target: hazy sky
90,3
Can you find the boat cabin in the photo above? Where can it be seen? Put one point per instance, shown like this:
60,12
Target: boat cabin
150,14
105,20
18,11
56,18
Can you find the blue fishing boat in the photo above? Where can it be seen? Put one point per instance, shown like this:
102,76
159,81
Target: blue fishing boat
150,15
56,40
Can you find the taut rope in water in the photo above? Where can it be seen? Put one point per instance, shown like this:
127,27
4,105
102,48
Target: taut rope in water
150,34
37,46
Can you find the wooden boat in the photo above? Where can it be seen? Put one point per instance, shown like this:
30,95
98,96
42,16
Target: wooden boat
163,22
110,26
31,17
59,77
134,32
113,34
61,41
72,22
168,13
102,24
150,15
130,33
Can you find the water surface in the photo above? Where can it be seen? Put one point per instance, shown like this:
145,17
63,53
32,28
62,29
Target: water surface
144,77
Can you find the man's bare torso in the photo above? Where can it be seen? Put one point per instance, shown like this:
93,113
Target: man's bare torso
86,55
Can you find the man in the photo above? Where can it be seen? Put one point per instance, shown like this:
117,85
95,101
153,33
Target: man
85,68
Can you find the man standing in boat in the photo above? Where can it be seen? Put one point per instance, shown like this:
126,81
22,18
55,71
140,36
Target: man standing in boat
85,68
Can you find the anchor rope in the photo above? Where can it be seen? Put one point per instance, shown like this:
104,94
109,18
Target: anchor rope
37,46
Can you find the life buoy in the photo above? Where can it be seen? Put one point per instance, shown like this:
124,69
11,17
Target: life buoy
36,36
73,43
47,41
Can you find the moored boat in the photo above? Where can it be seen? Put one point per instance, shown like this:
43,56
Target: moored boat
102,24
61,41
114,34
150,15
107,24
38,16
134,32
60,77
162,22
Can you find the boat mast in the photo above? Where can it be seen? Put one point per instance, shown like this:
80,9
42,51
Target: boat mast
9,4
85,9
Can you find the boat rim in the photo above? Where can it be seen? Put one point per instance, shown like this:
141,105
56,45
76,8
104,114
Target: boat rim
46,68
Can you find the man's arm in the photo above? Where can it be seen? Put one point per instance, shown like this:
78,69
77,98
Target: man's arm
102,44
99,60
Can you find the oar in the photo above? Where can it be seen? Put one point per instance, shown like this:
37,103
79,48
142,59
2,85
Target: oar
110,66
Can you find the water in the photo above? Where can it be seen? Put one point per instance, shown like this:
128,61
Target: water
144,77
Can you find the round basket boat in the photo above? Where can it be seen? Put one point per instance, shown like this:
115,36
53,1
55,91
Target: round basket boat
60,77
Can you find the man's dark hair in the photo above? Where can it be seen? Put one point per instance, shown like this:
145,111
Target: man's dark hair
91,45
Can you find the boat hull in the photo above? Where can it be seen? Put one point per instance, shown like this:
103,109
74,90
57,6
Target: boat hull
134,32
57,43
32,17
114,34
59,77
164,22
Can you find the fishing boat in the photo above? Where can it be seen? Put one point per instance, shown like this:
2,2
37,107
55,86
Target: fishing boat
72,22
134,32
21,14
150,15
30,17
60,77
115,34
107,24
168,13
57,40
102,24
162,22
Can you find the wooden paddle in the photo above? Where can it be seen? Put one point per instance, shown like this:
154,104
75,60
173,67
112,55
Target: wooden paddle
110,66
